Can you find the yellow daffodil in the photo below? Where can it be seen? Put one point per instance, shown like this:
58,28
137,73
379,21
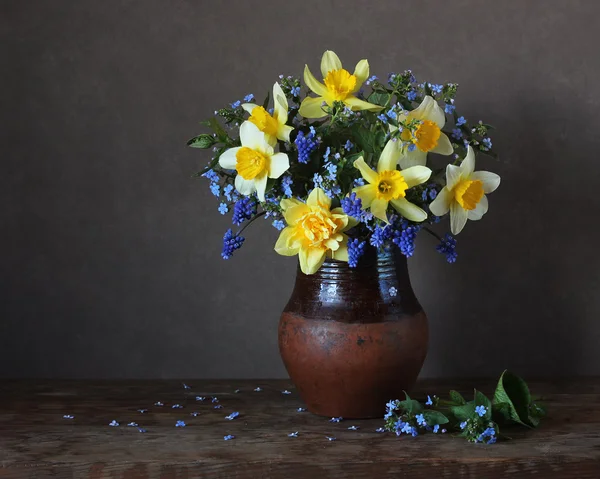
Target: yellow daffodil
339,85
388,185
273,126
464,193
314,231
254,161
428,136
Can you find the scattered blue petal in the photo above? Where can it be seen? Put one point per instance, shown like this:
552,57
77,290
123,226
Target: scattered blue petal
232,416
214,399
393,292
429,401
293,434
158,403
200,398
257,389
236,391
176,406
463,424
348,146
301,409
141,429
331,438
229,437
278,224
68,416
249,97
436,428
185,386
133,424
142,411
113,423
461,121
218,406
180,423
336,419
449,109
285,391
354,428
380,429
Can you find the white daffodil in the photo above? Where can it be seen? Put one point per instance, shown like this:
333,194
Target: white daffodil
339,85
254,161
428,137
464,193
388,185
273,126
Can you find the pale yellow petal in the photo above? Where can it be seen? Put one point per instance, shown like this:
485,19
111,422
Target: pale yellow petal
312,83
289,202
228,159
444,146
490,180
245,187
416,175
453,176
317,197
356,104
441,205
480,209
361,72
312,107
260,183
311,259
458,218
409,210
389,157
280,104
351,221
429,110
295,213
280,163
366,194
255,139
366,171
468,164
248,107
379,209
412,158
283,244
341,254
330,61
283,133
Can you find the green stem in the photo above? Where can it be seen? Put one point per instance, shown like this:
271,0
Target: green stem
435,235
262,213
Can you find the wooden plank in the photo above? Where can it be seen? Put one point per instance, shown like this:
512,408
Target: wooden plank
36,441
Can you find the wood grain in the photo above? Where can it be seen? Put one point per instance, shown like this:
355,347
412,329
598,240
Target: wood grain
36,441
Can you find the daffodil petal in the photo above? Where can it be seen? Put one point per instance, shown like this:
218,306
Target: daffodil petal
416,175
245,187
458,218
317,197
379,209
468,164
429,110
330,61
248,107
253,138
389,157
287,203
366,171
357,104
280,104
312,107
311,259
412,158
351,222
282,246
444,146
361,72
366,194
479,210
280,163
260,183
283,133
453,176
441,205
295,213
312,83
490,180
341,254
228,159
409,210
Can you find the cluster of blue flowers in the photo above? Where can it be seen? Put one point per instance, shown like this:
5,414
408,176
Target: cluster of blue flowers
356,249
286,186
231,242
352,206
405,238
306,144
448,247
244,209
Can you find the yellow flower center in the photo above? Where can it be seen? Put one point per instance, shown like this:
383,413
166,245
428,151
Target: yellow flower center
318,227
468,193
340,84
265,122
391,185
427,136
250,163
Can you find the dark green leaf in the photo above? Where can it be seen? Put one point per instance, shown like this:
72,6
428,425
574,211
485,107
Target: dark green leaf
379,98
434,417
266,102
364,138
202,141
513,391
457,397
464,412
482,400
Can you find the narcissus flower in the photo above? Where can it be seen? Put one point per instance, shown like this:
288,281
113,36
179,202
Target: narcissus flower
273,126
314,231
388,185
464,193
339,85
428,137
254,161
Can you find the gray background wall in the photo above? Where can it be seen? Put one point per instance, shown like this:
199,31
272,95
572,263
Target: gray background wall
110,261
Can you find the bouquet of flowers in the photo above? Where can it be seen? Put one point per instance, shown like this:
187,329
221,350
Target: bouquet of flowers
346,165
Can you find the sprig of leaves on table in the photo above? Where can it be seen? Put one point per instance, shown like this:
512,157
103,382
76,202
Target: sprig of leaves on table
478,420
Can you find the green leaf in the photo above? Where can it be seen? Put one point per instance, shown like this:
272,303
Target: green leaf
457,397
513,391
464,412
482,400
266,102
218,129
202,141
379,98
364,138
434,417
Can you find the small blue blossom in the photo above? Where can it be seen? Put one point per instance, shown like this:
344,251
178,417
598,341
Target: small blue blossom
331,171
271,110
405,239
141,429
436,428
200,398
249,97
68,416
142,411
336,419
448,247
390,406
227,191
449,109
331,438
212,176
229,437
414,432
391,114
295,91
354,428
371,79
301,409
393,292
359,182
412,147
158,403
481,410
293,434
406,428
215,189
463,424
113,423
388,415
232,416
305,144
412,95
348,146
432,194
286,183
214,399
236,104
457,133
382,117
380,236
244,209
231,243
436,88
176,406
492,440
257,389
487,143
421,420
278,224
429,401
286,392
461,121
132,424
352,205
223,208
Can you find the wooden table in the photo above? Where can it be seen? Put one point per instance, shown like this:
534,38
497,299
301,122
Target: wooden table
37,441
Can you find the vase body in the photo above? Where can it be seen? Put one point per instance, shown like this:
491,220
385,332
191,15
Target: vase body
352,339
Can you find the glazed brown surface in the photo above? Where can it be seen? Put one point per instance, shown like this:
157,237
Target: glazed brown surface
351,338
